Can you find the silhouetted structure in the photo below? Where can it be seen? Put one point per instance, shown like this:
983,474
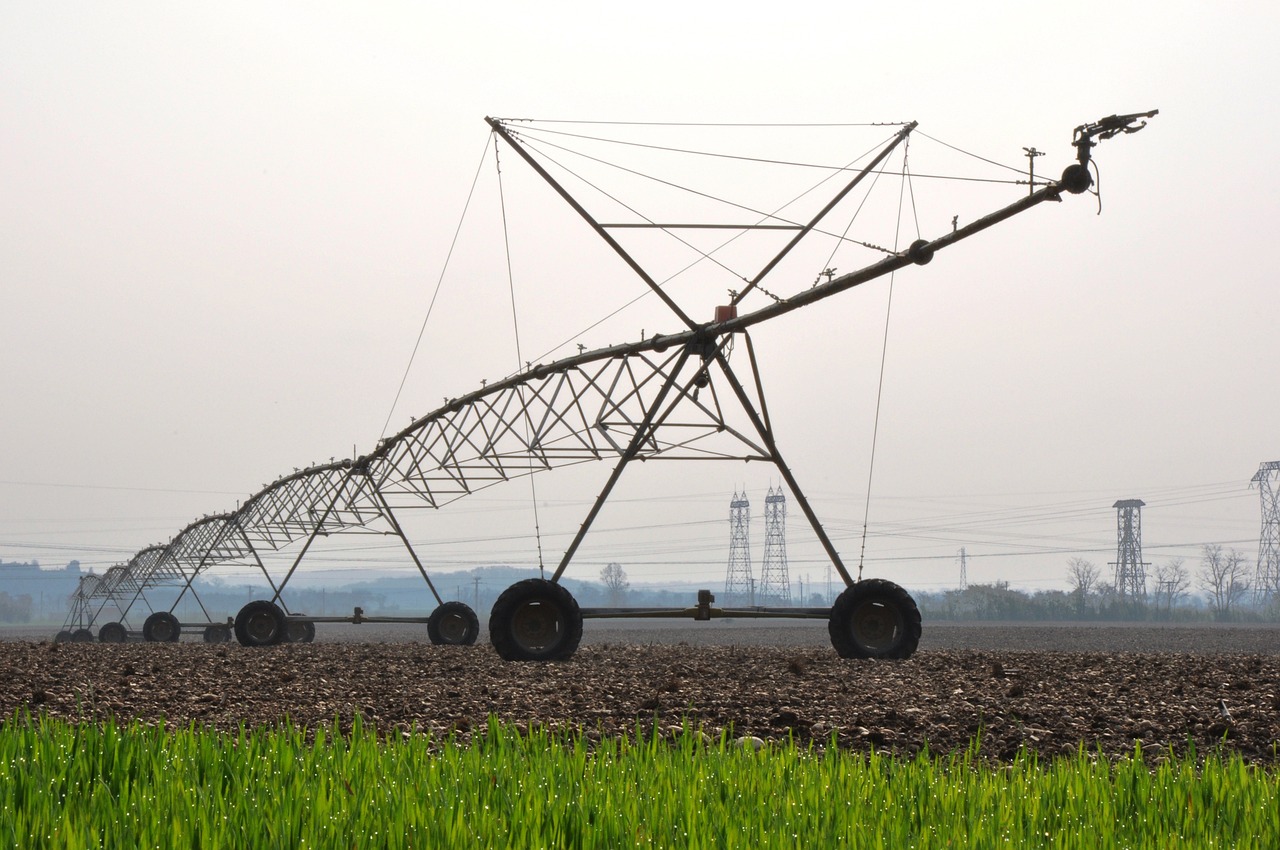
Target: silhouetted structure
1266,585
775,579
1130,569
738,580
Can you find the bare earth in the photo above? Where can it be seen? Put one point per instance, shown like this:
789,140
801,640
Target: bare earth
1049,689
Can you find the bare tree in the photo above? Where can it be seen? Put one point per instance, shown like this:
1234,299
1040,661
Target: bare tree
1172,582
1223,578
615,580
1083,576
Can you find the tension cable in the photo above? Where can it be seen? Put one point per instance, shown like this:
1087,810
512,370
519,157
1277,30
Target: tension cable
515,324
884,350
439,282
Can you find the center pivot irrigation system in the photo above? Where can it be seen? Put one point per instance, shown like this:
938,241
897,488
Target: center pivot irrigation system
666,396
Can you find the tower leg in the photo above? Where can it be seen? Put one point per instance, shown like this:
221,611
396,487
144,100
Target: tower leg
766,435
643,432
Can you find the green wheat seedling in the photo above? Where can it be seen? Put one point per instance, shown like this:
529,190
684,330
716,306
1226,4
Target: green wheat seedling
130,786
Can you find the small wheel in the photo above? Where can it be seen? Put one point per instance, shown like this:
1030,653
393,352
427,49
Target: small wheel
453,623
81,636
161,627
63,636
874,619
260,623
113,633
535,620
299,631
217,634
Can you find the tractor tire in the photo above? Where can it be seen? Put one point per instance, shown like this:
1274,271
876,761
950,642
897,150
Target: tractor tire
260,623
113,633
81,636
217,634
161,627
299,631
453,624
63,636
874,619
535,620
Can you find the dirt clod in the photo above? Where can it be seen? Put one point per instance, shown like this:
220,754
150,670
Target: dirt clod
1048,702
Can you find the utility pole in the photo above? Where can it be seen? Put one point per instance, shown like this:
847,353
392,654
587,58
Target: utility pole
1166,588
964,570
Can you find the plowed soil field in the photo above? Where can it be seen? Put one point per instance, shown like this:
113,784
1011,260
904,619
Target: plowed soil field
1049,689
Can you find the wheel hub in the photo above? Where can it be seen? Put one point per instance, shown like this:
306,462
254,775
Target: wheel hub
261,626
453,628
535,625
876,625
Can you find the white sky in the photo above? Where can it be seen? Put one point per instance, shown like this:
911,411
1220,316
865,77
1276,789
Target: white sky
223,223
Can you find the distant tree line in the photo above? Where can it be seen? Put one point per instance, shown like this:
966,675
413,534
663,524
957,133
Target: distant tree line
15,609
1219,590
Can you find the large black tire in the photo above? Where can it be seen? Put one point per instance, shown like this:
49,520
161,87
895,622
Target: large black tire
113,633
63,636
535,620
454,624
161,627
874,619
81,636
299,631
217,634
260,623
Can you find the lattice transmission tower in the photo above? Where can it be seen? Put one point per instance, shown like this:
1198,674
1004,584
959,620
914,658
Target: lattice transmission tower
738,581
1266,586
1130,569
775,579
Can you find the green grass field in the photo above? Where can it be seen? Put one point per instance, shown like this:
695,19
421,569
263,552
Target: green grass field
86,785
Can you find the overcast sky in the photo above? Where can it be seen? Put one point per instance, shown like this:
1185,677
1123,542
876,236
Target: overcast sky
223,224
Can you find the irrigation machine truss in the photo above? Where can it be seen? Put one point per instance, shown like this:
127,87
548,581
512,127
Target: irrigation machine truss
665,396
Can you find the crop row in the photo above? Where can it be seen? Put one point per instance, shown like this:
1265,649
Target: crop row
109,785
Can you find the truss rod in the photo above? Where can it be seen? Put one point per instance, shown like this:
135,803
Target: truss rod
633,448
767,436
395,525
213,535
310,539
261,566
871,166
920,252
587,217
645,225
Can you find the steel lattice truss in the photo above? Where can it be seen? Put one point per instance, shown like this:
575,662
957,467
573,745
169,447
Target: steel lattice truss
738,579
121,585
324,499
1267,582
585,410
775,576
1130,569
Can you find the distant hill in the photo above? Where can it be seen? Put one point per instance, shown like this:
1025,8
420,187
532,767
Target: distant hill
44,589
